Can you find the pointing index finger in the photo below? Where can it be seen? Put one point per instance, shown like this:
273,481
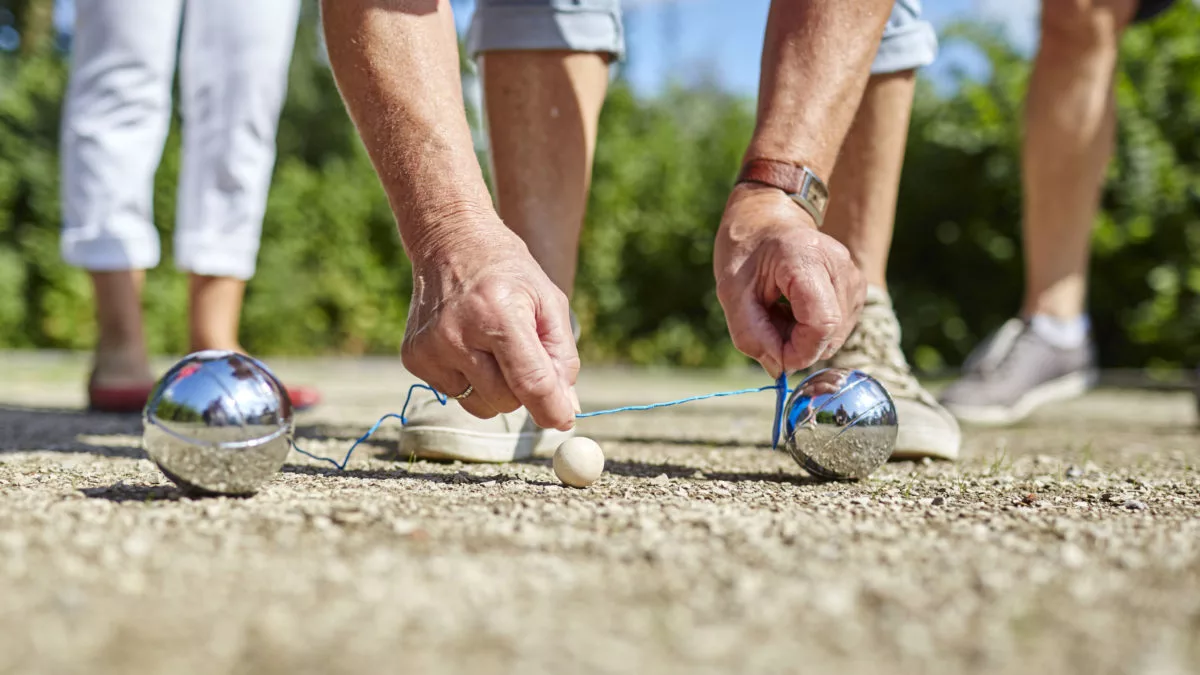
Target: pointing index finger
532,375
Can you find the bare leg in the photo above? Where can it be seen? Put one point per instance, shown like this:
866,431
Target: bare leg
1070,121
215,306
866,178
214,312
862,215
543,108
120,358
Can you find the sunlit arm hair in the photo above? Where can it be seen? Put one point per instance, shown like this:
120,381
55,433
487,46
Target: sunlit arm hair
815,63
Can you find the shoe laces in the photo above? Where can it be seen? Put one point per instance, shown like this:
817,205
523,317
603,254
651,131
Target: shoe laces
995,350
874,348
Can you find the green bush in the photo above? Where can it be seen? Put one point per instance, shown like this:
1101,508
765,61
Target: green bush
662,173
333,277
36,289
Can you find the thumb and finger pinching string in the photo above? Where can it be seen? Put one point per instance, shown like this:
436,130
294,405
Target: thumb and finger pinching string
780,387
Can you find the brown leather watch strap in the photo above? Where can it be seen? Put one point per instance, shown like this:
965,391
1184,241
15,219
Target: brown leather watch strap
799,182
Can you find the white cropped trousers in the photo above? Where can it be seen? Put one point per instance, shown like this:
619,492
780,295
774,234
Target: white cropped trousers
233,63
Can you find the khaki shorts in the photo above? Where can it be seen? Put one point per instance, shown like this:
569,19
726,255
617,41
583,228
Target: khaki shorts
595,26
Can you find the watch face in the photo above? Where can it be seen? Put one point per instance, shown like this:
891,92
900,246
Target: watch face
815,193
819,197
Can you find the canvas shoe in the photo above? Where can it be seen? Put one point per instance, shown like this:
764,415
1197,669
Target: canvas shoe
1014,372
926,429
449,432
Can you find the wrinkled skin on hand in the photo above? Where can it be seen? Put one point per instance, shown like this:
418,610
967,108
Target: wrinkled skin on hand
791,294
485,314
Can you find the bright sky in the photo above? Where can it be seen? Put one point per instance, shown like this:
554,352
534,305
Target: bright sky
707,40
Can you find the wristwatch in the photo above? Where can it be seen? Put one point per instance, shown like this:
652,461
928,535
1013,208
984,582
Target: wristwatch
797,181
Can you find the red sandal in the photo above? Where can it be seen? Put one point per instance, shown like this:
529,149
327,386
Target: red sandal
303,398
127,399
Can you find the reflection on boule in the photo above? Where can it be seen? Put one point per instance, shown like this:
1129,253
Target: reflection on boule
218,422
840,424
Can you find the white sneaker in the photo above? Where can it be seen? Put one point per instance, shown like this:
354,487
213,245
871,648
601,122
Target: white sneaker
926,429
448,432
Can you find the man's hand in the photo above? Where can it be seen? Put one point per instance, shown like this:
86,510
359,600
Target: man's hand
485,315
768,250
816,60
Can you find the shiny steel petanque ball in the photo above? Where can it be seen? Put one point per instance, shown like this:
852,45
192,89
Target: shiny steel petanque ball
218,423
840,424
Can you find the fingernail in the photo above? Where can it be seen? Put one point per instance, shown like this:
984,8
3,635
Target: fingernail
823,348
575,401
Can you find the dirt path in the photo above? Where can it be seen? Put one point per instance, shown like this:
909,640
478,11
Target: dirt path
1068,545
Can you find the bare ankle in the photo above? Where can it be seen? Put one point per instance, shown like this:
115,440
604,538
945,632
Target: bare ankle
117,365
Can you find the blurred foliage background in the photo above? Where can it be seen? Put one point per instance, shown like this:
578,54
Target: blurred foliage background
333,277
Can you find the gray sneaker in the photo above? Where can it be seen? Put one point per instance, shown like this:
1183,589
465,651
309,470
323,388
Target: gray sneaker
1015,371
926,429
449,432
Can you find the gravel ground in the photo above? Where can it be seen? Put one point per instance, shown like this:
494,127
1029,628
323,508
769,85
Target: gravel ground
1070,544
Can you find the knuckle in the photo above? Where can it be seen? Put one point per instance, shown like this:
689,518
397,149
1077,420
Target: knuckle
728,285
533,384
724,292
840,255
799,284
480,312
493,287
824,323
489,297
410,358
572,365
833,247
829,325
499,293
558,297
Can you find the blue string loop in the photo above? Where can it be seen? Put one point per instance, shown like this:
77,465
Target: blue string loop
780,386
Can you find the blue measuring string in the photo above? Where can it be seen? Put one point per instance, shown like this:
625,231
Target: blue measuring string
780,387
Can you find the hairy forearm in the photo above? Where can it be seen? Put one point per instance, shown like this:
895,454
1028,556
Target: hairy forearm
816,61
396,65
